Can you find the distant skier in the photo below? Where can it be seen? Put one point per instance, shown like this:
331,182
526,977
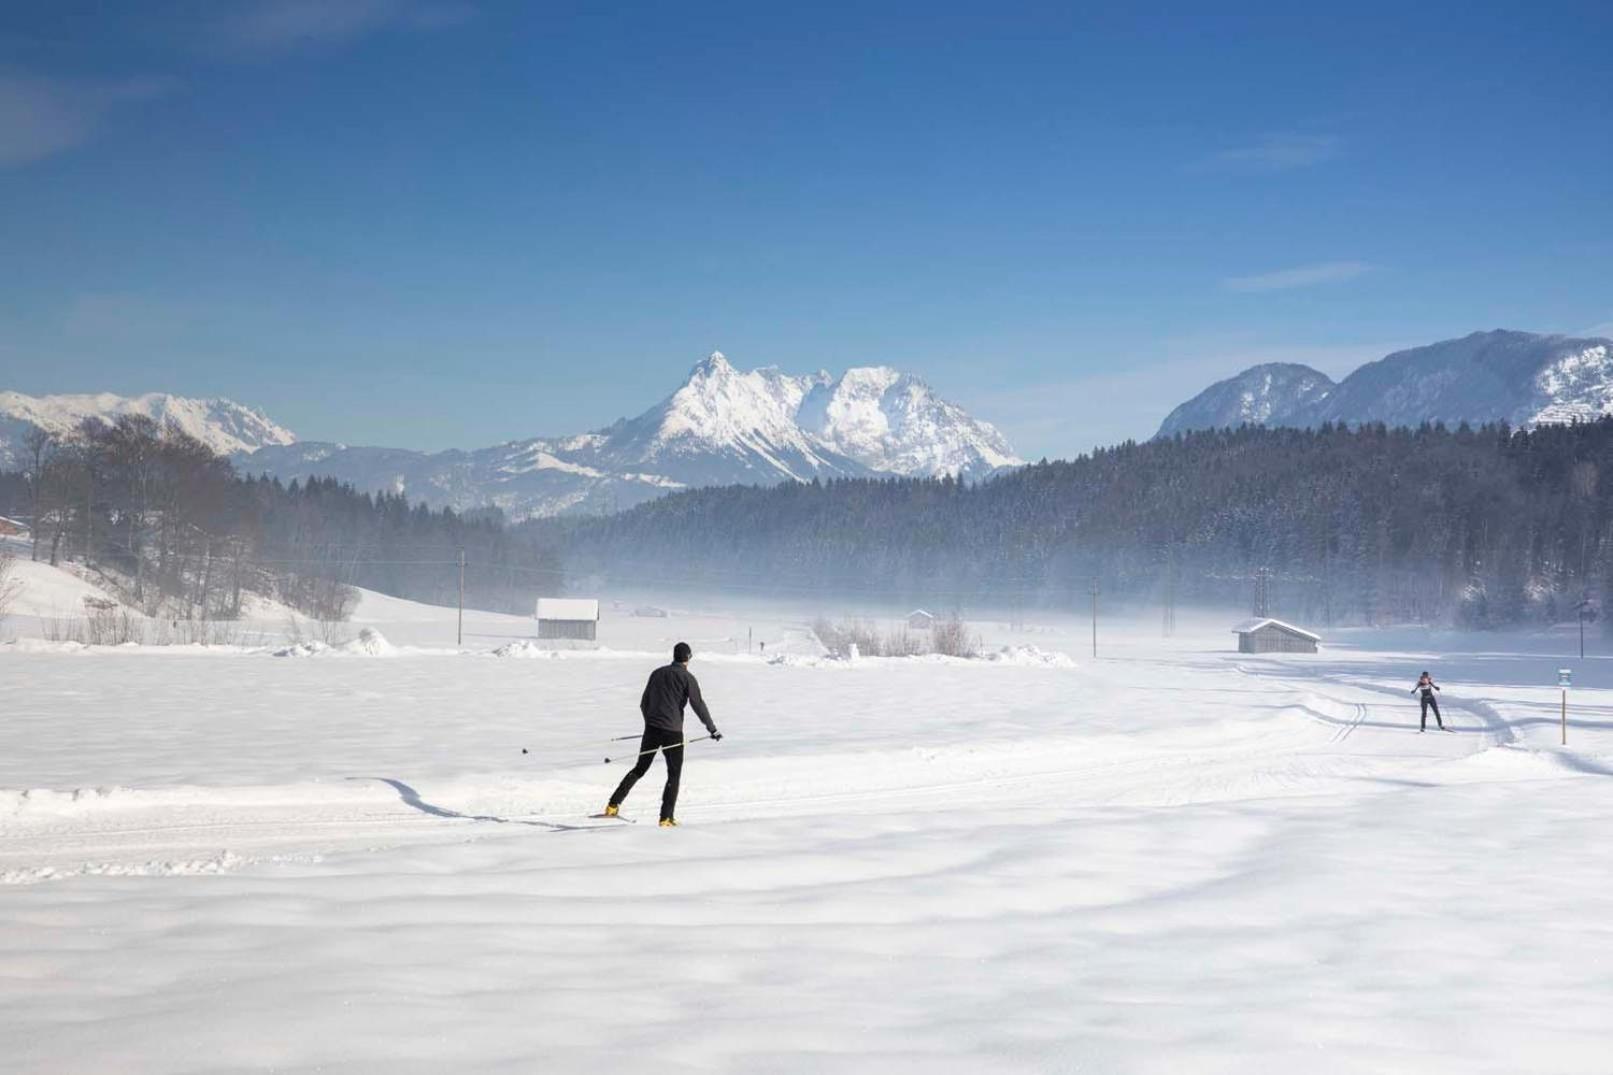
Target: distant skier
669,689
1427,686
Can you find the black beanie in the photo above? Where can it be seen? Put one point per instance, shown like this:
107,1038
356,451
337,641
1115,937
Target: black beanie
681,653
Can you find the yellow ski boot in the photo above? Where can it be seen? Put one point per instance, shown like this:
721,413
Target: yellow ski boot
612,810
669,823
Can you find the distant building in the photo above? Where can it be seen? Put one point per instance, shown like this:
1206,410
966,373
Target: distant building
1267,635
568,617
11,527
651,612
919,620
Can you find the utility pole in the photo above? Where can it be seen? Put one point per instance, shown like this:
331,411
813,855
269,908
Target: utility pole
1565,679
1169,626
1094,616
461,638
1584,609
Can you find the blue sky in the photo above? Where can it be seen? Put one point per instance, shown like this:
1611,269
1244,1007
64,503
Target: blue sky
425,223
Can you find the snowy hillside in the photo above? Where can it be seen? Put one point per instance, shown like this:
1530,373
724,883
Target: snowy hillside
1261,395
722,426
1523,378
223,425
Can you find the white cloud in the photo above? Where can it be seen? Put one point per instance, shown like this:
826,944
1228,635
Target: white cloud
1275,153
1326,272
269,26
40,117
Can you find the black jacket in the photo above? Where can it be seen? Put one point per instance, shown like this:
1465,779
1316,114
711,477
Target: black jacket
666,693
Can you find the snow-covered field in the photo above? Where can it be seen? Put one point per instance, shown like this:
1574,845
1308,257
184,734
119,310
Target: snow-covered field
1170,859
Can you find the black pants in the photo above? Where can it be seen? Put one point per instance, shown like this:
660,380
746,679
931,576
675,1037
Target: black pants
1430,700
672,748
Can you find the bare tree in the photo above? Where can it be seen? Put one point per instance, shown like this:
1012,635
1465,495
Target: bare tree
10,584
38,443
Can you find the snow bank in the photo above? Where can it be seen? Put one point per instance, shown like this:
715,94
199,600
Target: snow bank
39,645
526,649
1031,657
1013,656
369,643
302,649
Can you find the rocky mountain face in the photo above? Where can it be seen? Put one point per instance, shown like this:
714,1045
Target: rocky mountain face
722,426
223,425
1523,378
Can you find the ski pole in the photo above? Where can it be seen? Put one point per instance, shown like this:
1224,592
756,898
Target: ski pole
674,746
591,742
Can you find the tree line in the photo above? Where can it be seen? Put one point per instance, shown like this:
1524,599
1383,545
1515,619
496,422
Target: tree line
176,531
1479,527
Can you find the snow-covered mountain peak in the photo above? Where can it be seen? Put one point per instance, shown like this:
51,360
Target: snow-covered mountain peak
715,364
893,422
719,405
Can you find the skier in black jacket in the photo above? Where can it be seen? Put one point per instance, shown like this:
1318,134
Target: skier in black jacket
1426,684
665,695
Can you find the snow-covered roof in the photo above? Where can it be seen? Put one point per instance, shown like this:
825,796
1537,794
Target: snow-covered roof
1251,626
920,612
568,608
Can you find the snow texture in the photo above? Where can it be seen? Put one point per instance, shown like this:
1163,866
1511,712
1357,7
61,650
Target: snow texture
1171,858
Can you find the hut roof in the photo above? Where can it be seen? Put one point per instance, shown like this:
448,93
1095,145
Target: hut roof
568,608
1251,626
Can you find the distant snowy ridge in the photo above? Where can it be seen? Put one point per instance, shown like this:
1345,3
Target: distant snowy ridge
722,426
1523,378
1269,394
223,425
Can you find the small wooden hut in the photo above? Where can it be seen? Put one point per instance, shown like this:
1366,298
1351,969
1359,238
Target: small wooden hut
568,617
1266,635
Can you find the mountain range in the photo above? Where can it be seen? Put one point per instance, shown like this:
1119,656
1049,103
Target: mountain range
223,425
1523,378
727,426
721,426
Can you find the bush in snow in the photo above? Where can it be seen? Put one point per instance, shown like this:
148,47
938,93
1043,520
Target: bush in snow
856,637
952,638
106,623
844,638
